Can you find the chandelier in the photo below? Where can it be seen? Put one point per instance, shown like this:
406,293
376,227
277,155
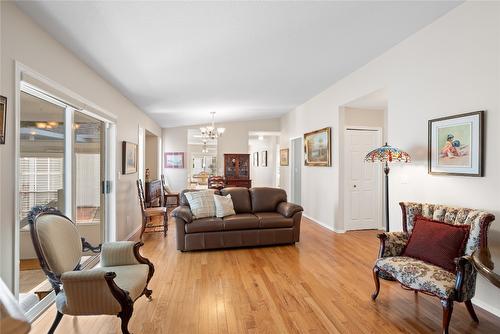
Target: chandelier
210,131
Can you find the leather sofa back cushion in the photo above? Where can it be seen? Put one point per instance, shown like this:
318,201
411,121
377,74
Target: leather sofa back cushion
240,197
437,243
266,199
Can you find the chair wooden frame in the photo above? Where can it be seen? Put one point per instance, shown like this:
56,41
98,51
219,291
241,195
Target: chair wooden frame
148,213
167,195
54,279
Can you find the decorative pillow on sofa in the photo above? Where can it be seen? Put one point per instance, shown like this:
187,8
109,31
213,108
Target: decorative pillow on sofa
223,206
437,243
202,203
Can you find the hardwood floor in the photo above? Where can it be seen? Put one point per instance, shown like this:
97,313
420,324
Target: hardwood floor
320,285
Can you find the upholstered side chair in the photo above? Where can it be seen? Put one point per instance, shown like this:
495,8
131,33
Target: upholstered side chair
112,288
424,277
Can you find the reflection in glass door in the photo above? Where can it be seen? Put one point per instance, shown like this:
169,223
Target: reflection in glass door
89,176
41,182
62,165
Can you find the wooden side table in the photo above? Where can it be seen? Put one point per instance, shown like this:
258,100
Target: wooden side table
487,262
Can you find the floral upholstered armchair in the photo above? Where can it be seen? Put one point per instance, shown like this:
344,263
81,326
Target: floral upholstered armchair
111,288
424,277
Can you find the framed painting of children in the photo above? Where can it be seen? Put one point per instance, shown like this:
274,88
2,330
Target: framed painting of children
456,145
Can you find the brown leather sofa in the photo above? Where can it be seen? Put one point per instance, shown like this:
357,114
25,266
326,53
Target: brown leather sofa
263,217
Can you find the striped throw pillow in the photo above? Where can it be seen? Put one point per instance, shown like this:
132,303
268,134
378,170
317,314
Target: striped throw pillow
223,206
202,203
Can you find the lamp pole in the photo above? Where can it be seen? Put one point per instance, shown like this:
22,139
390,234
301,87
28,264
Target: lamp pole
386,171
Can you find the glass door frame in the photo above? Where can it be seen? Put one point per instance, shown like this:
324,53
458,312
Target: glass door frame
109,204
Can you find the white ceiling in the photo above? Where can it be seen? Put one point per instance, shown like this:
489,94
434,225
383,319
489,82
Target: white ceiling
245,60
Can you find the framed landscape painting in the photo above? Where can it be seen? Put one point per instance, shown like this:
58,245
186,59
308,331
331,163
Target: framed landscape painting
284,156
129,158
174,160
456,145
317,148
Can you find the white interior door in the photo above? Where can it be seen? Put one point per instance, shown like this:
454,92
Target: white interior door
362,187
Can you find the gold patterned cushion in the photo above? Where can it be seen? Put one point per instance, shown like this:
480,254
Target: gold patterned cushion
419,275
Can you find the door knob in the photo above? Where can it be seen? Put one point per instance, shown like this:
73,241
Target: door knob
354,186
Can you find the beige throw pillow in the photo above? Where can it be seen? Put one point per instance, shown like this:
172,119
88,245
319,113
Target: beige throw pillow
224,206
202,203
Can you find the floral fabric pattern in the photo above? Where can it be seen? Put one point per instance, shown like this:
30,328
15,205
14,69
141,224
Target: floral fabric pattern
395,243
419,275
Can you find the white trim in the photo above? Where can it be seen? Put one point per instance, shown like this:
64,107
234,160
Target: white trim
380,188
133,233
110,171
17,153
40,77
291,165
68,162
329,227
487,307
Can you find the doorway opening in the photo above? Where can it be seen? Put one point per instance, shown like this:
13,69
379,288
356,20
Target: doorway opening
296,170
264,167
363,124
151,148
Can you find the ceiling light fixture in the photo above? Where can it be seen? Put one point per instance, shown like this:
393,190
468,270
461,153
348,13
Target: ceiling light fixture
210,131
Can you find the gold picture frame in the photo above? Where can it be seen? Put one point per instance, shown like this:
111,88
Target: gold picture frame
317,148
284,157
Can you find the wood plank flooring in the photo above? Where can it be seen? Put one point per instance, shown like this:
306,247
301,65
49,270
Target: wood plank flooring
320,285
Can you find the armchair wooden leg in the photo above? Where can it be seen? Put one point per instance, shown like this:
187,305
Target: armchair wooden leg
472,313
376,279
125,315
447,311
148,294
56,322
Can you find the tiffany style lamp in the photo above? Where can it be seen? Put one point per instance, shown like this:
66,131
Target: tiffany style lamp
387,154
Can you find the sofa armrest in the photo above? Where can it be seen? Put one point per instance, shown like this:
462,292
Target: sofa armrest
183,212
288,209
465,284
392,243
119,253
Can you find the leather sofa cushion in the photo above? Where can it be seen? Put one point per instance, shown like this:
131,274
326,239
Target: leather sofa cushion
211,224
243,221
273,220
240,197
266,199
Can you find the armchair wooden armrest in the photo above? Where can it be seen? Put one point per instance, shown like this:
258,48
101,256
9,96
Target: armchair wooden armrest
392,243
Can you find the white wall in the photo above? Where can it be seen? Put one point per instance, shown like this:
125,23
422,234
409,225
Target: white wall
24,41
450,67
234,140
263,176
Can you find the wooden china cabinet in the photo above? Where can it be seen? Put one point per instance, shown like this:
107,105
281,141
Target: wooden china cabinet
237,170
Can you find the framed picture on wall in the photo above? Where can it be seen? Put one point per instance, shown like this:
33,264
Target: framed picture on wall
263,158
129,158
174,160
284,156
255,159
317,148
3,118
456,145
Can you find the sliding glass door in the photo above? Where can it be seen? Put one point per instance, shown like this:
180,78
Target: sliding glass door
62,164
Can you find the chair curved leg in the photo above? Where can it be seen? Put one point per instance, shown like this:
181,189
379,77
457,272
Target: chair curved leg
125,315
472,313
56,322
376,279
165,224
447,311
148,293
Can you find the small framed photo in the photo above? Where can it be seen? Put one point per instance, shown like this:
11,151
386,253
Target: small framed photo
129,158
317,148
255,159
284,156
263,158
3,118
174,160
456,145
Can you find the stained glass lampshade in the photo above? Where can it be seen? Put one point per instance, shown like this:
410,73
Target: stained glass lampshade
387,153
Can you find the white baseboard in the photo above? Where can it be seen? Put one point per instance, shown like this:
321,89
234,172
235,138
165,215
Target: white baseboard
486,307
134,232
322,224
